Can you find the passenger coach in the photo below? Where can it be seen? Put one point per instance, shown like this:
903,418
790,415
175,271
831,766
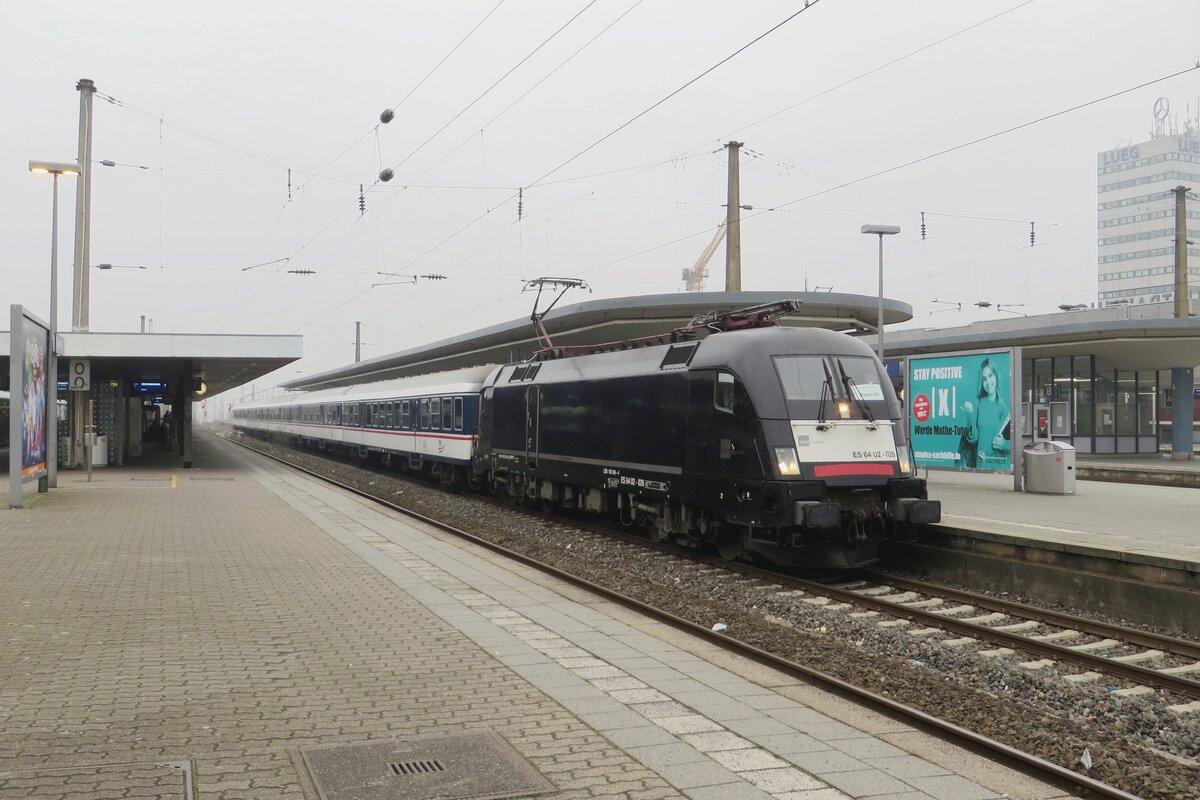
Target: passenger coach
426,423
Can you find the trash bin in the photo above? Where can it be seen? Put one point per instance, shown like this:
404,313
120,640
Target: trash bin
1049,467
100,452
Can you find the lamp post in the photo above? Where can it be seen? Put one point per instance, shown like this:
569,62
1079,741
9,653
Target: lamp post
54,168
880,231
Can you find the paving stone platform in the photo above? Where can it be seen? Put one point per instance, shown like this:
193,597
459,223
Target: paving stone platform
192,633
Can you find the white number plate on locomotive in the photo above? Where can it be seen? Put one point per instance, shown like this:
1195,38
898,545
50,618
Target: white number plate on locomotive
844,440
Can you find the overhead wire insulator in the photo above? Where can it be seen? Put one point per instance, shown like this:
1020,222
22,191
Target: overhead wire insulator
1032,235
520,203
922,224
362,201
289,184
434,277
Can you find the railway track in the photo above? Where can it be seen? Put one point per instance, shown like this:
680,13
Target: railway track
1102,648
1099,648
852,596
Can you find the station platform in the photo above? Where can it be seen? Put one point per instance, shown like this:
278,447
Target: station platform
1154,469
1130,520
239,630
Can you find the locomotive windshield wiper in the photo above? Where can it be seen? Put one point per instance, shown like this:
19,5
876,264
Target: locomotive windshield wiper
826,391
848,382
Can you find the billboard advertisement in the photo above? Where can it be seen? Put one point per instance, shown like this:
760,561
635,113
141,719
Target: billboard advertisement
34,367
960,411
28,365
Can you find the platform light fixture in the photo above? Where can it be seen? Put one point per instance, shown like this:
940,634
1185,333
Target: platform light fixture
54,168
880,231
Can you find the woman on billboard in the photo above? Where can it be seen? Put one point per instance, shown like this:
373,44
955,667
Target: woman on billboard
986,443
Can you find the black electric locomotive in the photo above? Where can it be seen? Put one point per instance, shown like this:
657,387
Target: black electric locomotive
783,443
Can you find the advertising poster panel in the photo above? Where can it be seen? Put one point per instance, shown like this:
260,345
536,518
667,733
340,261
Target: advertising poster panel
960,412
29,364
34,366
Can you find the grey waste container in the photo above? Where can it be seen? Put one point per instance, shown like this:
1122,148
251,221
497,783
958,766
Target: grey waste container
1049,467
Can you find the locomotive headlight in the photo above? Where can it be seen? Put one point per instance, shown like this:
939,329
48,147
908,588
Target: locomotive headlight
786,461
905,462
844,409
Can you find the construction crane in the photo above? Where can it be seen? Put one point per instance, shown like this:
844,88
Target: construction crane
694,277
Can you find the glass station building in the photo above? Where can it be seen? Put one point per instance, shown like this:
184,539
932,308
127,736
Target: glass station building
1099,379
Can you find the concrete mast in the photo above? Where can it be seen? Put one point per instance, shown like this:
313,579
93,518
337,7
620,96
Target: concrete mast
1182,378
733,224
81,290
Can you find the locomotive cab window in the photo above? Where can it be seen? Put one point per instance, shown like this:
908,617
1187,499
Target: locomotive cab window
731,396
863,382
803,377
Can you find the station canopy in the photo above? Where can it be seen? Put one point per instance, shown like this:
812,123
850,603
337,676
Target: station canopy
220,361
598,322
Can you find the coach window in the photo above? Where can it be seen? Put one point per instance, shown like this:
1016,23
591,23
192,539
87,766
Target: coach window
447,414
404,414
458,413
424,415
435,413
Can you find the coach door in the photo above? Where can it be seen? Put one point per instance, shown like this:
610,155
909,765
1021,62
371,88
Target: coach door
533,402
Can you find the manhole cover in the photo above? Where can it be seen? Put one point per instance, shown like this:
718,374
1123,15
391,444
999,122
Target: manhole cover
471,766
171,780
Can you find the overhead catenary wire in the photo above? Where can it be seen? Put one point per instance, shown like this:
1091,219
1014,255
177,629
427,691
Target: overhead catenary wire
529,91
807,5
369,131
494,84
446,57
483,94
991,136
723,61
914,161
542,181
874,70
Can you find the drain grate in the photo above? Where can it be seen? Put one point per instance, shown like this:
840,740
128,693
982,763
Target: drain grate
470,766
416,767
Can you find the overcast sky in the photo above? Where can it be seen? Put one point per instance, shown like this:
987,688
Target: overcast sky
219,100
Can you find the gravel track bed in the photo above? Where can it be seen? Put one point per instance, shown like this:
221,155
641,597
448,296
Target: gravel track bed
1135,743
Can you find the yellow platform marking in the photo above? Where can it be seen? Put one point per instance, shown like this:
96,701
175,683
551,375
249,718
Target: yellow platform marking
174,481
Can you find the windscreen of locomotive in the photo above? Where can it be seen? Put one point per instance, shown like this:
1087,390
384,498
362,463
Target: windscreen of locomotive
865,382
802,378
